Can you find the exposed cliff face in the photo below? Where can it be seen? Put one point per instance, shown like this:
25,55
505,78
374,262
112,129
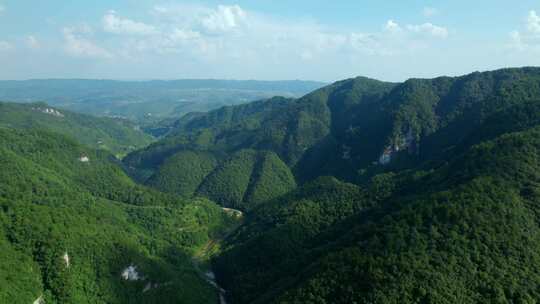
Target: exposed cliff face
405,143
131,273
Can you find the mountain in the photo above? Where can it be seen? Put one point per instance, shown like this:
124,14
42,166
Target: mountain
147,102
465,232
75,229
352,129
118,136
424,191
363,191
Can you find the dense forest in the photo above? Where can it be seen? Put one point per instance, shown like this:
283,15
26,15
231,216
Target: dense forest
72,223
118,136
352,130
418,192
363,191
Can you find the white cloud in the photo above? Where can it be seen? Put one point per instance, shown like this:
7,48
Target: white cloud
230,38
2,9
6,46
224,19
32,42
77,45
117,25
392,26
429,12
529,37
226,33
430,29
426,29
533,22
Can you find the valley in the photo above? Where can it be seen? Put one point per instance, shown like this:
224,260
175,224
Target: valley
147,102
362,191
269,152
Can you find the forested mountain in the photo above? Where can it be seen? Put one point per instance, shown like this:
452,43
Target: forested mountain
466,232
432,195
116,135
75,229
148,101
352,129
425,191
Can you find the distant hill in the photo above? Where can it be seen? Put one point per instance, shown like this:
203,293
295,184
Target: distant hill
148,101
116,135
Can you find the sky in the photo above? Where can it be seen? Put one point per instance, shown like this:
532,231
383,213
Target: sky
265,39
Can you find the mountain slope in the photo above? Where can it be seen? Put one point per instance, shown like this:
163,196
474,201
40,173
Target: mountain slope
116,135
464,232
352,129
70,228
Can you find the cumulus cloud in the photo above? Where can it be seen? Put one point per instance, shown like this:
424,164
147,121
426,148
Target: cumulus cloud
392,26
77,44
231,31
429,12
429,29
529,37
224,19
230,36
32,42
117,25
426,29
533,22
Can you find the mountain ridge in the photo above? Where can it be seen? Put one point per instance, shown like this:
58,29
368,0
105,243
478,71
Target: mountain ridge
353,128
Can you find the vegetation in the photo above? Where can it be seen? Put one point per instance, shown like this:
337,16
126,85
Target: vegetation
344,129
69,229
425,191
184,172
148,102
247,179
115,135
466,232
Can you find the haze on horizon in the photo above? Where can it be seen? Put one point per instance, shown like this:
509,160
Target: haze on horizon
263,40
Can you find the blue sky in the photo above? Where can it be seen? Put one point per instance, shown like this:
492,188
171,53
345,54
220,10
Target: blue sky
317,40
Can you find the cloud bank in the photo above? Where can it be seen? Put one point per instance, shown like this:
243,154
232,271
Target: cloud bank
228,33
229,41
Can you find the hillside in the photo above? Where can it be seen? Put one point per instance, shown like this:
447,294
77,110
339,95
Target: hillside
75,229
425,191
352,129
148,102
464,231
432,195
115,135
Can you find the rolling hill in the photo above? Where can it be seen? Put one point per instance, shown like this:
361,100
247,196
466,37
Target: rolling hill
118,136
147,102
